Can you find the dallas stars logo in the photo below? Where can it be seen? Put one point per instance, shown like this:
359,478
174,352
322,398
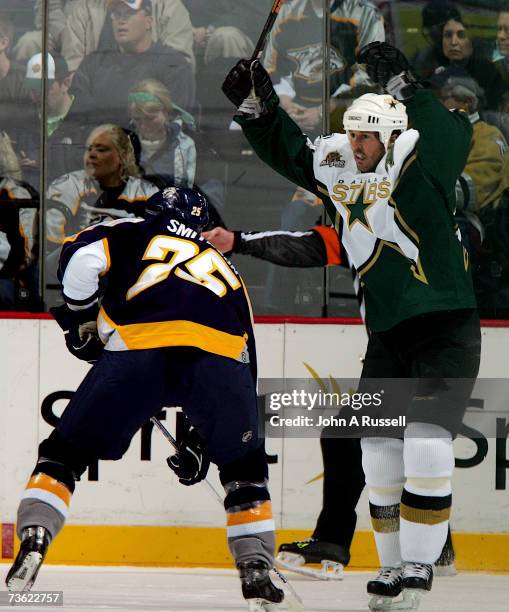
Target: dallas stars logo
392,103
357,210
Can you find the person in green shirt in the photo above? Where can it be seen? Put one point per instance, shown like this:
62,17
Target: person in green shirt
390,192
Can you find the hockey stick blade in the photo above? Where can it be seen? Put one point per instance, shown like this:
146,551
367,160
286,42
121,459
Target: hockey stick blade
271,19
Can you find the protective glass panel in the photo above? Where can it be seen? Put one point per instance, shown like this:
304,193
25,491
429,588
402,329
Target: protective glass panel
154,69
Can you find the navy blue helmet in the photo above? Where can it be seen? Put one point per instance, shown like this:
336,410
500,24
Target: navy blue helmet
188,205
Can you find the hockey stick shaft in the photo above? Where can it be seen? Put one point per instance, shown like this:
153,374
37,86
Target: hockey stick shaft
262,41
173,442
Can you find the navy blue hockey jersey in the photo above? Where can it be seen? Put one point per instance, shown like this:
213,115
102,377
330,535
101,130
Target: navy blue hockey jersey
166,286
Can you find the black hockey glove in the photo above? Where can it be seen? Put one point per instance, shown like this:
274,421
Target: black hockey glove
249,87
387,66
190,463
80,331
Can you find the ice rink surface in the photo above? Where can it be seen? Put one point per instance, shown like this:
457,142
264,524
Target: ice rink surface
181,590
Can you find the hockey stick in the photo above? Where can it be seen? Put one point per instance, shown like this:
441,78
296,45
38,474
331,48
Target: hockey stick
294,602
262,41
173,442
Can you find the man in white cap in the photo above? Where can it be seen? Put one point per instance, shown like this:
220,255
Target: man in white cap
66,135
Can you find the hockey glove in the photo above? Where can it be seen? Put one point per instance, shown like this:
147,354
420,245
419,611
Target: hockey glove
387,66
249,87
80,331
191,462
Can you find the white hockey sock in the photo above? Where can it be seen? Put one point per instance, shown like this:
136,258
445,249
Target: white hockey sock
427,496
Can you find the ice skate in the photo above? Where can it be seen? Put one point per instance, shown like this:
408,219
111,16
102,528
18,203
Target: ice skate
385,589
34,544
296,556
257,587
417,580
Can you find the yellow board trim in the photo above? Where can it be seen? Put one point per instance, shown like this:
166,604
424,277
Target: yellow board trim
206,547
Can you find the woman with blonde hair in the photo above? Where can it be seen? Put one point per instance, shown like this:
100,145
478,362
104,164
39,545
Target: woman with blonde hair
108,187
166,150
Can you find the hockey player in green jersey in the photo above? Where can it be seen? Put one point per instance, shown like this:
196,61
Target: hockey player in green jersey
390,192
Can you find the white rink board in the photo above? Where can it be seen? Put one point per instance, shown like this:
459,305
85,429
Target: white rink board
34,364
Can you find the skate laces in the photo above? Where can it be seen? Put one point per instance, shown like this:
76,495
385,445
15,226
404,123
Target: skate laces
389,575
417,570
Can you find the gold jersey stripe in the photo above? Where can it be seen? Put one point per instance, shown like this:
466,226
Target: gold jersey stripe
138,336
322,190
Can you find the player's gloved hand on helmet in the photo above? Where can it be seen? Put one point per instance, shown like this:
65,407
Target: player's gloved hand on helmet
249,87
80,331
387,66
190,463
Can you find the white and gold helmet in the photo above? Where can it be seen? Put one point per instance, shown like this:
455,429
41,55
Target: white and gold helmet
376,113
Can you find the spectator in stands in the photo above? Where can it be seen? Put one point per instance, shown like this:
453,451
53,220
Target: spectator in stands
104,78
66,135
30,42
89,30
14,98
460,50
166,150
297,68
435,15
18,244
480,190
226,28
169,155
502,60
486,173
109,186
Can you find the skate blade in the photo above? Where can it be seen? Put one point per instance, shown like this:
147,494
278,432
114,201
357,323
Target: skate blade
409,600
292,602
329,570
445,570
23,578
262,605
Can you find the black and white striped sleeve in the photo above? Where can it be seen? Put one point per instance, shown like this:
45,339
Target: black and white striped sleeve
284,248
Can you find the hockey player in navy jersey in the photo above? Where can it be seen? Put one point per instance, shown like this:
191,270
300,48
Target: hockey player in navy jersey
391,196
174,328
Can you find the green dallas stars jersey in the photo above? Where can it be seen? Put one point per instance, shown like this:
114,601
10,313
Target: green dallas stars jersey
396,223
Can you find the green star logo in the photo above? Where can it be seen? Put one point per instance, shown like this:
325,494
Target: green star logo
393,103
357,211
